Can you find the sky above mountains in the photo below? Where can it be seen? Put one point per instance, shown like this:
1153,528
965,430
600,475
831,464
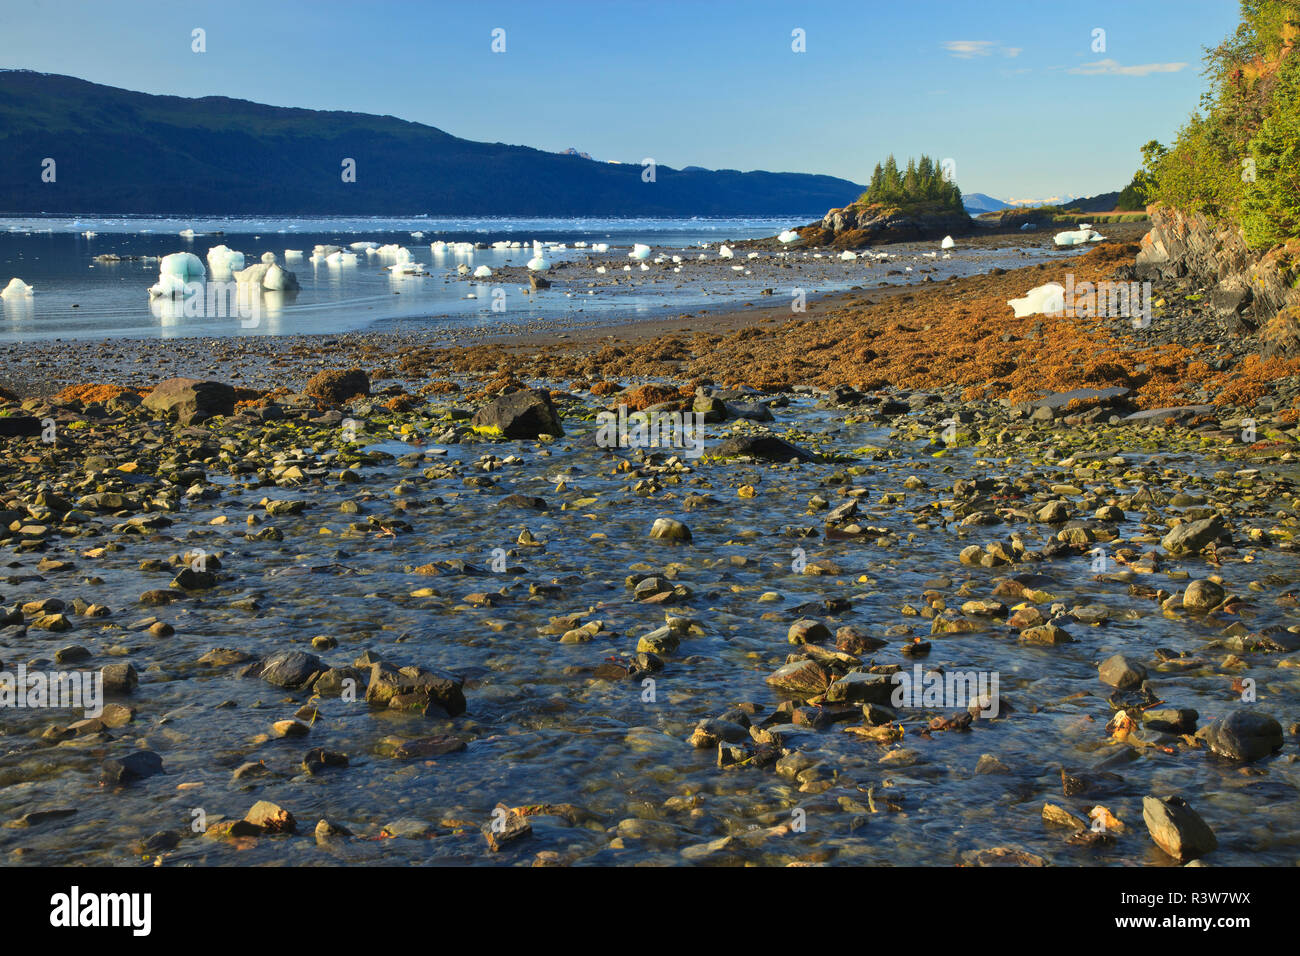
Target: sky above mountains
1026,98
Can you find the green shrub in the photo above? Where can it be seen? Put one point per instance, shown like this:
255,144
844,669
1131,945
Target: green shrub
1270,209
1238,157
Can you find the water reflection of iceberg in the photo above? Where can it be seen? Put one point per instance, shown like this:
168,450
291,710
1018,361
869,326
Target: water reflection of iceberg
19,308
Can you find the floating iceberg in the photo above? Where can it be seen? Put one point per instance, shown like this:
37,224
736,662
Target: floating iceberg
88,234
293,254
279,280
268,275
600,247
323,250
539,263
174,271
1048,298
640,251
947,243
222,259
359,246
187,233
788,236
184,264
16,288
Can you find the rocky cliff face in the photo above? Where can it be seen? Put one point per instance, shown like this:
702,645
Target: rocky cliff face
1262,292
854,227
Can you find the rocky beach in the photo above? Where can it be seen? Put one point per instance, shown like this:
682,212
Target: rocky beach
388,597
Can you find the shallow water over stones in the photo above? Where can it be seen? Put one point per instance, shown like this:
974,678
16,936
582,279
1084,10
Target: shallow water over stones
429,570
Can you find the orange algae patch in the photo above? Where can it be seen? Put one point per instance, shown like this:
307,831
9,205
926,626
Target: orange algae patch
89,393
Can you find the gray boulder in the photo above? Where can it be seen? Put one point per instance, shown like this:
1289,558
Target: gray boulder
190,400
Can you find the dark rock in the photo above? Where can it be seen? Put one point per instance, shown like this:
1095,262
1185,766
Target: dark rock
20,426
137,765
1244,735
291,669
523,414
765,447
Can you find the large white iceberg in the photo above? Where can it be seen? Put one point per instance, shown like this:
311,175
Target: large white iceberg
1048,298
16,288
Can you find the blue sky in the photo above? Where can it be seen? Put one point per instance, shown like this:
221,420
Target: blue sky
1012,91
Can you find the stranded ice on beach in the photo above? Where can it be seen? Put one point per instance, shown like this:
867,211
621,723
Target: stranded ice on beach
1077,237
1128,300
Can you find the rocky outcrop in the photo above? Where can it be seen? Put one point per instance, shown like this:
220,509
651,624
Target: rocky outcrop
854,227
1257,290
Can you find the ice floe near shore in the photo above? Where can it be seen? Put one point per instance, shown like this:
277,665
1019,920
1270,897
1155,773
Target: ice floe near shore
1077,237
16,288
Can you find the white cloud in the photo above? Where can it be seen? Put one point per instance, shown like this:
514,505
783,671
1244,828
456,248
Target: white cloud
1114,68
965,49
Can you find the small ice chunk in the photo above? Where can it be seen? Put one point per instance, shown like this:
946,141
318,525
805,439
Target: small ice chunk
482,272
947,243
640,251
788,236
724,252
